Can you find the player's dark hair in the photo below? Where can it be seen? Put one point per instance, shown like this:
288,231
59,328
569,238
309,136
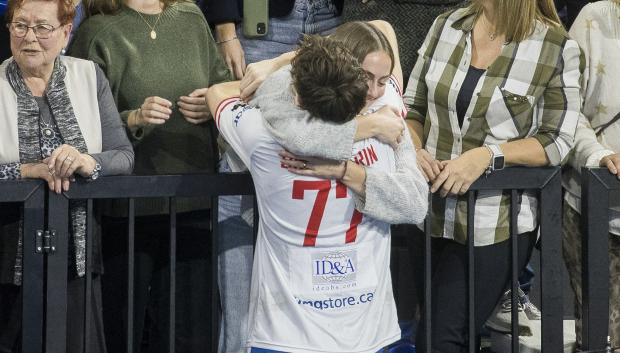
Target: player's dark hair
329,81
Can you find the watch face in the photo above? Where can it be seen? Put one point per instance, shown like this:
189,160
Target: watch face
498,163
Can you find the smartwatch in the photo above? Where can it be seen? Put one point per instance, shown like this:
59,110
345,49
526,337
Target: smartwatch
497,158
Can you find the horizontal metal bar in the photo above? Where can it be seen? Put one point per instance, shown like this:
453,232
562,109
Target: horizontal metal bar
520,178
191,185
18,190
609,181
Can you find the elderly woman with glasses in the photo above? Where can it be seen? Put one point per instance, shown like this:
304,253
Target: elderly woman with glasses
58,123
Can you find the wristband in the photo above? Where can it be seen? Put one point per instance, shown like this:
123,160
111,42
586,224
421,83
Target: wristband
226,41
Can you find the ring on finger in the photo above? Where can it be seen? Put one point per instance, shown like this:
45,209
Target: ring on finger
68,159
304,166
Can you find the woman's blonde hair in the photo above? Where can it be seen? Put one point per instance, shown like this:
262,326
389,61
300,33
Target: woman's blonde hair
109,7
516,19
362,38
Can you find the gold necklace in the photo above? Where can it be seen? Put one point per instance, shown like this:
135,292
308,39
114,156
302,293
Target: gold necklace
153,33
491,35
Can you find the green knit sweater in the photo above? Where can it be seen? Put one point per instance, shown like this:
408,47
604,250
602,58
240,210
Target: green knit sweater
181,59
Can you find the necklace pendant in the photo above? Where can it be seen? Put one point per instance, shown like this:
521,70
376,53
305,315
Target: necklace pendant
153,35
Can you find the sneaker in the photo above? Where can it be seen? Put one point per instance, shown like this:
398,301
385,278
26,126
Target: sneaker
532,312
501,321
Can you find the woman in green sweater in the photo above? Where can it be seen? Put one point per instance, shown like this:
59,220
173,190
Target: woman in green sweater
159,57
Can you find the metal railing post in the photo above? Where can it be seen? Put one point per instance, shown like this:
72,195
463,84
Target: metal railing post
551,264
595,260
57,265
32,280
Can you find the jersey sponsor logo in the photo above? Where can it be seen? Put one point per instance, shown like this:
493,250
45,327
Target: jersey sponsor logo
366,156
337,303
334,270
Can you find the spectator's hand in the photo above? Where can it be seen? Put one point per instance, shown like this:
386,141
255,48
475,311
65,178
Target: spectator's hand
611,162
233,55
310,166
254,76
40,170
429,166
458,174
154,110
194,106
390,126
230,48
66,160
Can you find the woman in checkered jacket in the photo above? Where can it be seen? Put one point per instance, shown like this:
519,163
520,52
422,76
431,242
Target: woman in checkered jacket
496,83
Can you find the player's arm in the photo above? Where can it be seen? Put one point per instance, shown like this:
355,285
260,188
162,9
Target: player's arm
221,92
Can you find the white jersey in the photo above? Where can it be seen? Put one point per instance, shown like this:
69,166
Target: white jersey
321,279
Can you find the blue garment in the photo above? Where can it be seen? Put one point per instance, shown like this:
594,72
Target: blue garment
5,47
77,20
284,33
262,350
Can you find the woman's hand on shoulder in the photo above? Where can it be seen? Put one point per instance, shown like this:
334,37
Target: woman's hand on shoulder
155,110
256,73
385,125
194,106
458,174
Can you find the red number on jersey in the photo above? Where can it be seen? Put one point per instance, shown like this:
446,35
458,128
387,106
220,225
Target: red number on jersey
314,223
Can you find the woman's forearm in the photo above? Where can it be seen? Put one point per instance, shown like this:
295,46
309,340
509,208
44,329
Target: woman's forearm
528,152
355,178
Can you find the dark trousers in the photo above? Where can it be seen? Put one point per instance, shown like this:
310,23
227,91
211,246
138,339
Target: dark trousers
10,317
449,331
151,283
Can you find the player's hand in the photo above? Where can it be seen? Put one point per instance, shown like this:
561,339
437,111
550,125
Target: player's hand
310,166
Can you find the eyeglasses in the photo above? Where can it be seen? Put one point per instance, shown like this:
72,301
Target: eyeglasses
41,31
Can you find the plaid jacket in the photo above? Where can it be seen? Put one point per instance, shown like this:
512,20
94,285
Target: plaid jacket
531,90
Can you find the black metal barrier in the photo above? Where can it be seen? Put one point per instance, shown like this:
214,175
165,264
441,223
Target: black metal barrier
599,190
31,195
46,330
547,182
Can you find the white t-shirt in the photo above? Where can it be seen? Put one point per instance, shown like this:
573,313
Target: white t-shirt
321,280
